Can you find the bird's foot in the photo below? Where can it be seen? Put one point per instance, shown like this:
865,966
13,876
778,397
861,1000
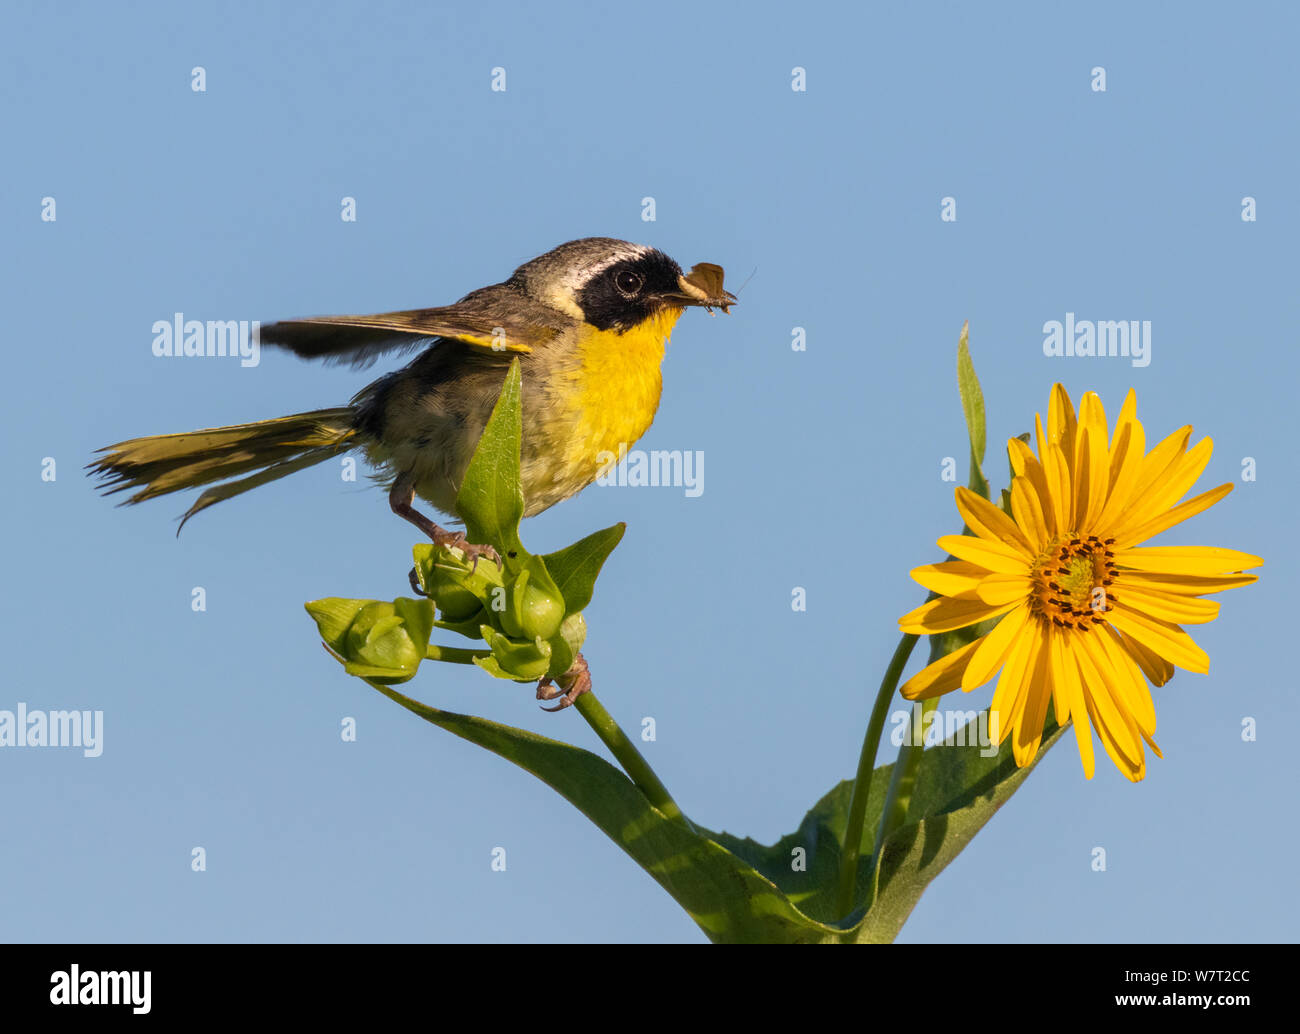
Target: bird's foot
399,498
457,540
572,684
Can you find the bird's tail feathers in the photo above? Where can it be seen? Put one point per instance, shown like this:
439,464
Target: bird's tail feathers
263,451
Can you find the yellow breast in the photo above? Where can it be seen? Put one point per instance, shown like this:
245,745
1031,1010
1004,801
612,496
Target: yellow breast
611,397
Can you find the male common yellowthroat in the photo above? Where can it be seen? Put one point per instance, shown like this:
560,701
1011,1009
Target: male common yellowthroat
588,322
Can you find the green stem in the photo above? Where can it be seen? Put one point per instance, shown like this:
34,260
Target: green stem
636,766
866,765
454,654
903,781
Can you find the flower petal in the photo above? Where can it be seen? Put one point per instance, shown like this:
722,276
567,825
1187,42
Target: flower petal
1092,462
1127,421
1168,640
1167,488
1072,691
943,676
1060,690
990,523
994,648
1133,771
1153,666
1061,423
1117,731
1158,461
1057,472
1186,560
947,614
1129,534
1014,685
1028,511
993,555
1025,465
997,589
1133,694
1188,584
950,578
1125,466
1029,730
1167,606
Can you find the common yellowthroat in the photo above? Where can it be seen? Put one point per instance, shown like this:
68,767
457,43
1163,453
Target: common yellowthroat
588,322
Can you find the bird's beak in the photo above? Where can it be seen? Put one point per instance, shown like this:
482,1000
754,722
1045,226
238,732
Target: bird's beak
703,286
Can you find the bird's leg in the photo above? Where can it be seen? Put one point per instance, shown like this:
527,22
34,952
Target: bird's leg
574,682
399,498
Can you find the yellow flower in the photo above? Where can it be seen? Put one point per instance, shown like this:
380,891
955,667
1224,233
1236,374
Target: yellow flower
1087,615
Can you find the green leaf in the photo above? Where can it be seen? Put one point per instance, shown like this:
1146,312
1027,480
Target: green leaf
739,891
956,793
816,846
727,898
972,404
575,567
490,500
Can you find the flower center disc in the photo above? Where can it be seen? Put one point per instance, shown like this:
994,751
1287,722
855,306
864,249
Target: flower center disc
1072,580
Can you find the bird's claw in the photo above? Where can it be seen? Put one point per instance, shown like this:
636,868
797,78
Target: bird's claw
571,685
457,540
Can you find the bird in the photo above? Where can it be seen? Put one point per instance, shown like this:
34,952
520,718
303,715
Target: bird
588,322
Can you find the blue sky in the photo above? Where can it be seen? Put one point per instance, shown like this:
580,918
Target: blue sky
221,727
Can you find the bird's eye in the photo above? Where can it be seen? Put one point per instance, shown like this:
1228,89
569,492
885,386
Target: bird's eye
628,282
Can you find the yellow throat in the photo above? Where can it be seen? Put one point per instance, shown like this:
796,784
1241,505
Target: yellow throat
621,380
615,394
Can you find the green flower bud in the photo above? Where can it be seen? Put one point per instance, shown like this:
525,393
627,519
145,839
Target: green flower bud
456,603
459,592
373,639
469,629
534,607
519,659
566,643
378,637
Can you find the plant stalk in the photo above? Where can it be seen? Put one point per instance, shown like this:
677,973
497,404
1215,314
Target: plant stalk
624,750
903,781
453,654
866,767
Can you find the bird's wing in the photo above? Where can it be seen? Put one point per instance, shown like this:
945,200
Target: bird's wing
492,319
